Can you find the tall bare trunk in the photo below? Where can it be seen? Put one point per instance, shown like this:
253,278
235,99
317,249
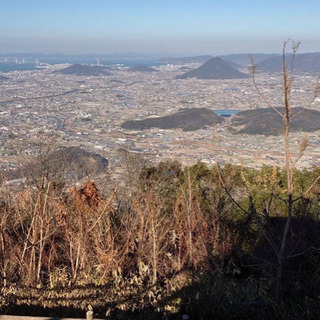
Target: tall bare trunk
286,119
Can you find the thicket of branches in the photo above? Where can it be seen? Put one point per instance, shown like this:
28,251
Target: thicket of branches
176,227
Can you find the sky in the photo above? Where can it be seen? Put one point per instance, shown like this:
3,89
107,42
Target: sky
177,27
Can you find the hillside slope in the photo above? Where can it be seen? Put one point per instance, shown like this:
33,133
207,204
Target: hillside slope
215,68
83,70
186,119
66,163
267,121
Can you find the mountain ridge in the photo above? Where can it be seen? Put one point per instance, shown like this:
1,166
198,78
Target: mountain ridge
303,62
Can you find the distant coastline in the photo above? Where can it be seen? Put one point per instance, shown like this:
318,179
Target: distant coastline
9,67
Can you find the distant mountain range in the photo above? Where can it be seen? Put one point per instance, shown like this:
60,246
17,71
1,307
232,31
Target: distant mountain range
239,59
267,121
142,68
84,70
186,119
243,59
215,68
185,60
306,62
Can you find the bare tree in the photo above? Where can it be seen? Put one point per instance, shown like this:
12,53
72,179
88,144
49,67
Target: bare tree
287,117
290,162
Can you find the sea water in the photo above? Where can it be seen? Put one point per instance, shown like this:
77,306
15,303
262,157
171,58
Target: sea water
8,67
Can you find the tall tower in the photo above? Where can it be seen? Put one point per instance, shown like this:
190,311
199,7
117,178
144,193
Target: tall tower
98,63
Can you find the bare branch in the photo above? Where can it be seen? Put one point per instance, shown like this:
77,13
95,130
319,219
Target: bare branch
311,186
303,145
295,47
316,91
253,75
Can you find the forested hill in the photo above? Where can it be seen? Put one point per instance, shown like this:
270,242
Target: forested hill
186,119
84,70
268,121
65,163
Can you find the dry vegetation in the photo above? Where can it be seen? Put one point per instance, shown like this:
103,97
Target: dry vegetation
175,243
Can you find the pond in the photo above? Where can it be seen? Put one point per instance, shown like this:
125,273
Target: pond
226,112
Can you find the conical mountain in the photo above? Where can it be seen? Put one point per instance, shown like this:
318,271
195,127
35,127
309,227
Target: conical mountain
215,68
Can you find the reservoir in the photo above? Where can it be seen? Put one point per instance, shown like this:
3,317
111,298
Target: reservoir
226,113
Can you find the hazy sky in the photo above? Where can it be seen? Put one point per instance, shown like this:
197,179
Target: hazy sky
164,26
